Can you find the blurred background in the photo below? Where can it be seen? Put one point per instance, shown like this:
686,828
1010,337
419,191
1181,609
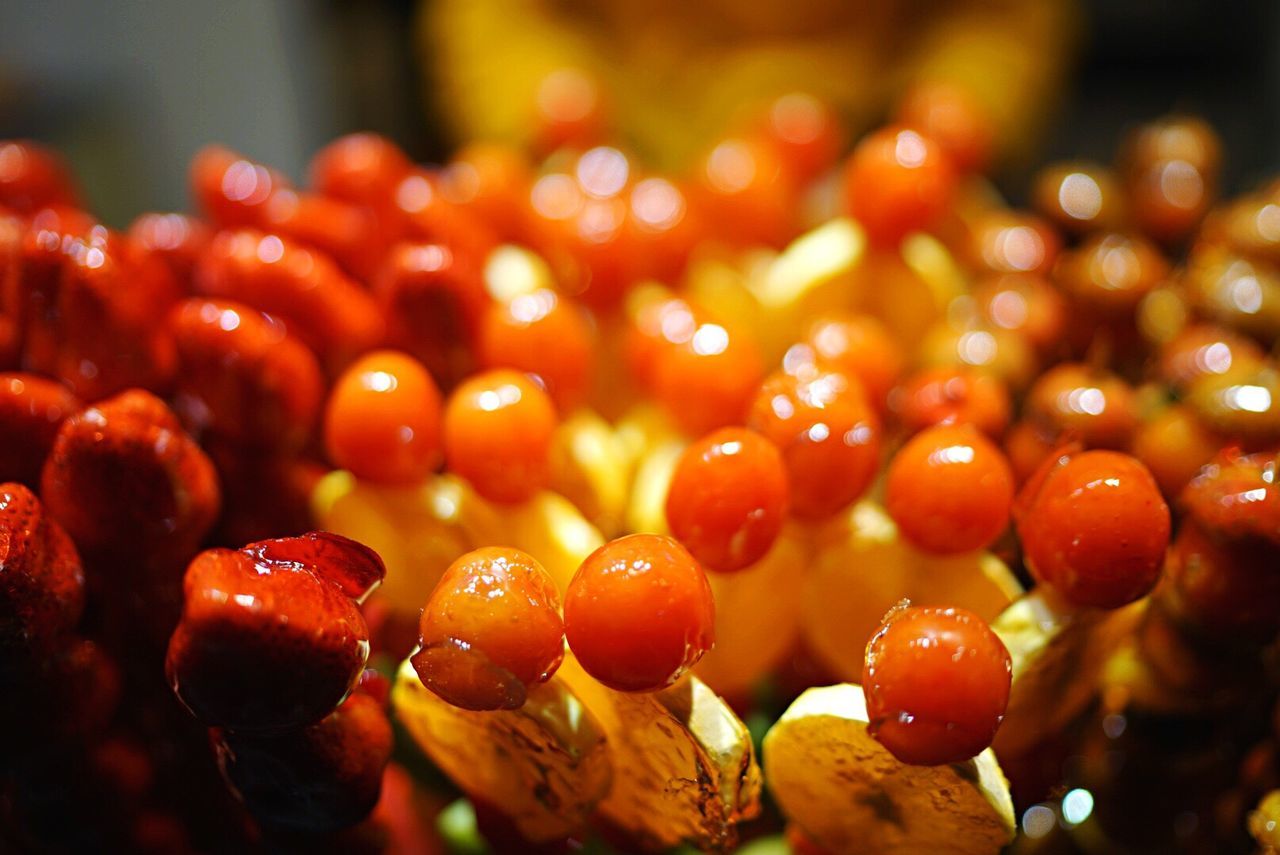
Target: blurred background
129,90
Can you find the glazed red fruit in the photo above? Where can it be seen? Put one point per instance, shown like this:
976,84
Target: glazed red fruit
271,636
949,489
805,132
728,498
953,116
1226,588
498,429
490,631
31,409
383,419
936,682
897,181
176,239
544,334
639,613
32,177
242,377
708,380
1202,349
1237,497
320,778
1111,272
1094,528
328,311
433,299
1026,304
861,347
1006,241
569,110
125,480
827,433
1095,406
952,395
748,193
41,581
364,169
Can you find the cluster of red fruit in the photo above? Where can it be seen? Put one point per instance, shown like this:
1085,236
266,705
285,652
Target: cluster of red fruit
182,386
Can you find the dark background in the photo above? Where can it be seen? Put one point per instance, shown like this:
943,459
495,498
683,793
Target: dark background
129,90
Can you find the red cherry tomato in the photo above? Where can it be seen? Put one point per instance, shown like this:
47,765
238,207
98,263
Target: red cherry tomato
728,498
952,395
949,489
829,437
1094,528
490,631
937,684
897,181
383,419
954,117
708,380
639,613
545,334
498,429
862,347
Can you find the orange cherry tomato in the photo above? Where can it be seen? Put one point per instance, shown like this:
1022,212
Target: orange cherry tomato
828,434
952,116
708,380
1201,349
1079,197
383,419
806,133
1111,272
545,334
1095,528
639,613
1094,405
897,181
728,498
952,395
490,631
1006,241
1174,444
569,111
862,347
32,177
937,684
498,427
1026,304
747,193
949,489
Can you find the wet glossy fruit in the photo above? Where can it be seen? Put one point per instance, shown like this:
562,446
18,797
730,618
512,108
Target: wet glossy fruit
271,636
498,429
952,395
544,334
897,181
383,419
828,434
937,684
31,409
1094,528
490,631
949,489
861,347
639,613
708,380
728,498
1094,406
954,117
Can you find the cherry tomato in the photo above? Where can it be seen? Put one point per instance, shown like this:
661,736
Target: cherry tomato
639,613
1026,304
545,334
1094,405
747,193
383,419
937,684
1200,349
364,169
828,434
952,395
569,111
490,631
1237,497
897,181
953,116
1242,403
1170,168
1095,528
493,181
804,131
708,380
176,239
1226,588
1174,444
1078,197
1005,241
32,177
498,428
861,347
31,409
1111,272
949,489
728,498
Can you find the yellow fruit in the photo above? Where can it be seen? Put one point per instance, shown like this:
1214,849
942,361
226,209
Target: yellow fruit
850,795
589,467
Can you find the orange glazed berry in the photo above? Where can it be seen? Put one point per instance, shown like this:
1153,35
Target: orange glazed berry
1094,528
949,489
952,116
862,347
1005,241
490,630
639,613
1201,349
497,434
382,420
747,193
805,132
569,110
936,683
1024,303
1078,197
897,181
543,334
728,498
1095,406
952,395
828,434
708,380
1112,272
1174,444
